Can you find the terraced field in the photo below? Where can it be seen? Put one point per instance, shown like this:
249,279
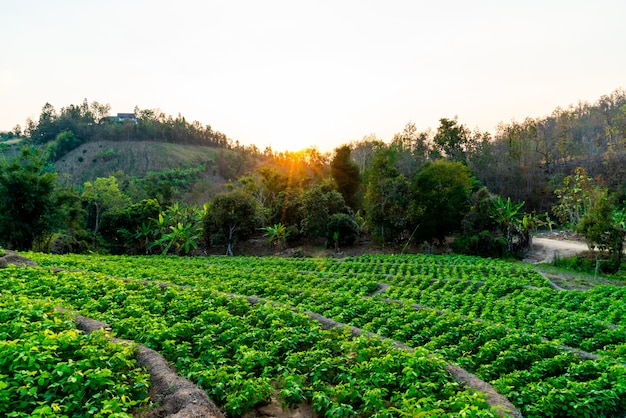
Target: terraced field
253,330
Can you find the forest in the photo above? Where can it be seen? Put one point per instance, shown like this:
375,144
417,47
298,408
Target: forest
409,194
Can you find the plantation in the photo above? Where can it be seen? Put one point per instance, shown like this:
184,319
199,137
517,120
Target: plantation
48,368
249,330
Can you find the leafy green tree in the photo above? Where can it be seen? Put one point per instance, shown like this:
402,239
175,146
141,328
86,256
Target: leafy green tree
342,229
576,197
496,227
27,206
277,235
592,211
452,139
231,216
318,204
509,217
73,237
441,191
130,230
604,228
101,196
177,229
387,198
345,172
63,143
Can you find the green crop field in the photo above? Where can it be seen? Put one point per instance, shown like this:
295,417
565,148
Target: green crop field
551,353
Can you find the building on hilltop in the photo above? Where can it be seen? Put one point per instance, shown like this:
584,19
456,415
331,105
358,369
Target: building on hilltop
124,117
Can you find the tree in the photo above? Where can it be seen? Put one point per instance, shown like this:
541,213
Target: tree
342,229
452,139
441,191
27,207
318,203
387,198
177,229
103,195
345,172
277,235
131,230
604,228
576,197
508,216
231,216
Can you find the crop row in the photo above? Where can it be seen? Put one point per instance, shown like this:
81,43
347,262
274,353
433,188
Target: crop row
506,300
245,354
49,369
538,375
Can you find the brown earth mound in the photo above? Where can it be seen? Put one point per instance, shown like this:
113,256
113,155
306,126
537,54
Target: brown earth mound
177,396
13,258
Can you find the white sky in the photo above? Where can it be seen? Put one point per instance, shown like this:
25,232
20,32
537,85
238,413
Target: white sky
293,74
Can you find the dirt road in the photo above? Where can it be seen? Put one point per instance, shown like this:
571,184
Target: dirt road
544,249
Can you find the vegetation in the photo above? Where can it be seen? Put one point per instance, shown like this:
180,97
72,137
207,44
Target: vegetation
48,368
490,191
79,181
546,350
27,201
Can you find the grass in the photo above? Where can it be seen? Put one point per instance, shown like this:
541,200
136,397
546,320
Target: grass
102,158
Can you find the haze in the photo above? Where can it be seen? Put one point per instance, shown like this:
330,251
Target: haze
293,74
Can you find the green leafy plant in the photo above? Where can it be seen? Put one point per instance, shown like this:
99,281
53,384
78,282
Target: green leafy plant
277,235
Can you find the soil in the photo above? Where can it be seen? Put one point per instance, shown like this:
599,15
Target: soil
545,249
12,258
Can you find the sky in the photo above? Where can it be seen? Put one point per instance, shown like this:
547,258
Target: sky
292,74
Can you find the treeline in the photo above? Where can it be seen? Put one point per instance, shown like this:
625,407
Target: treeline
291,198
73,125
491,191
528,160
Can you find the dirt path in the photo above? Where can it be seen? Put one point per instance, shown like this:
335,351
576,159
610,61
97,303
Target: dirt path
545,249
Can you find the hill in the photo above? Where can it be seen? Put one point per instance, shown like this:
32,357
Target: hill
139,158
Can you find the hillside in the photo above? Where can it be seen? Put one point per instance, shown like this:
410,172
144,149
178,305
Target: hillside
102,158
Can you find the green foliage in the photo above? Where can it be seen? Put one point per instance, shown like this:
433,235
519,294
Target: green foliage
230,216
346,174
387,198
591,210
500,321
103,196
63,143
452,139
277,235
342,229
90,122
442,190
131,229
27,209
177,230
166,185
48,368
72,237
495,227
576,197
243,354
318,204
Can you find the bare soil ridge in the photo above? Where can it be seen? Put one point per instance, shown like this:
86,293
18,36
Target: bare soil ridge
177,396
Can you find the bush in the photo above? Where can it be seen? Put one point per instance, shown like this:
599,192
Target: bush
483,244
342,228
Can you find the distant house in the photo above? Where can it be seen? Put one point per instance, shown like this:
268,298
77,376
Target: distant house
123,117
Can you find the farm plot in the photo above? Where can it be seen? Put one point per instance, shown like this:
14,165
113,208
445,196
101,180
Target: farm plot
244,355
537,346
49,369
